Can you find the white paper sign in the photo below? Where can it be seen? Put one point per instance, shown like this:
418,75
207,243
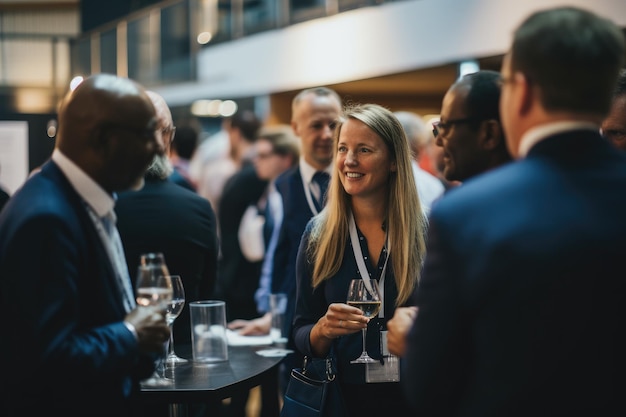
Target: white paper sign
13,154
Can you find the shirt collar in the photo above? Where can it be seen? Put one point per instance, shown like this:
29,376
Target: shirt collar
307,171
94,195
539,133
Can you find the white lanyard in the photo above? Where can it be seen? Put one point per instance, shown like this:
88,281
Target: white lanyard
358,255
308,195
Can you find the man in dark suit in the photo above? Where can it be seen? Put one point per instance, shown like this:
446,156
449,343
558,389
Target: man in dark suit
521,303
164,217
314,115
75,344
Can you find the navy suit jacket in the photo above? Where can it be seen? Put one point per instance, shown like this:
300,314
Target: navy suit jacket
523,296
164,217
64,346
296,215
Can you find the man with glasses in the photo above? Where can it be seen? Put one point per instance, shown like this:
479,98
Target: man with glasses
521,303
470,132
473,142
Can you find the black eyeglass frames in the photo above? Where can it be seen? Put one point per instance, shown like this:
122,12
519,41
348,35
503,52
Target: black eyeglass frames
439,127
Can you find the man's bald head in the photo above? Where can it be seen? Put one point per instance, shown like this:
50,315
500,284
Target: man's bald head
107,127
164,117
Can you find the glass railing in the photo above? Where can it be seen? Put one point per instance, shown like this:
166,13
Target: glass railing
157,45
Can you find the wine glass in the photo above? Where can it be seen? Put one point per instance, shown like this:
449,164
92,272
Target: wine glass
368,300
154,290
173,311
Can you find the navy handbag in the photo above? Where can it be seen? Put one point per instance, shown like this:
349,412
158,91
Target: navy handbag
313,390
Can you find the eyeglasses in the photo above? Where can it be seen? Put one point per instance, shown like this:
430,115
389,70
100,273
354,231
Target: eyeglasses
168,132
439,127
264,155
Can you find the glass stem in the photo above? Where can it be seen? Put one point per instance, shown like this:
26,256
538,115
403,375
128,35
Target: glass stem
364,333
171,344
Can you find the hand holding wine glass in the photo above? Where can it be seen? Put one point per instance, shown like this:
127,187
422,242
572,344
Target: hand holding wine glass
154,291
368,300
174,309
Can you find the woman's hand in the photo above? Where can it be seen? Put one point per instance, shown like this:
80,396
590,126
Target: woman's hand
340,319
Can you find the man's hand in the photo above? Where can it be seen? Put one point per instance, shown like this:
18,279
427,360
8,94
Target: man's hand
151,327
398,327
256,327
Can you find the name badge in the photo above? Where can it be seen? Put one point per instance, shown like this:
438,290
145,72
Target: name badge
388,370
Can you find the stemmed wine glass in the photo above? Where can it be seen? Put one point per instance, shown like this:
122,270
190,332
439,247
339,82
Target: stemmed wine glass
368,300
173,311
154,290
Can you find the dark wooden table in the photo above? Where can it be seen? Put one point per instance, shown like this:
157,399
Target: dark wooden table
194,382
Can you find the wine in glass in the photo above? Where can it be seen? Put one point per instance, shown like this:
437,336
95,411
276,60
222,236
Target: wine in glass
173,311
154,290
368,300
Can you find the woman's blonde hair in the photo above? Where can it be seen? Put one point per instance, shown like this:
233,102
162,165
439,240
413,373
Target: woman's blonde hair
405,221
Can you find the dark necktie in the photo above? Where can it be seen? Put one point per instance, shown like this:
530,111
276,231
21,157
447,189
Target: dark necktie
268,226
321,178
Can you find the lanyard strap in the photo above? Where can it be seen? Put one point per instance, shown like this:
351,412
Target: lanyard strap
365,276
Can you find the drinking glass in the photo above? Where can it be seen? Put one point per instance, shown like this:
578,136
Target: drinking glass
173,311
368,300
154,290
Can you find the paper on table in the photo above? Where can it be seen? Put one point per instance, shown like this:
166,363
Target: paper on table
235,339
274,353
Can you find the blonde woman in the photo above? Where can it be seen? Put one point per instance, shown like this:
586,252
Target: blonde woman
373,195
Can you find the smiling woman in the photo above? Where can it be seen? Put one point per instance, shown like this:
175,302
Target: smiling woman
372,185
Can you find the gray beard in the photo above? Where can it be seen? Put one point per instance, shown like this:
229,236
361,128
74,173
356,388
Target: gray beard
160,167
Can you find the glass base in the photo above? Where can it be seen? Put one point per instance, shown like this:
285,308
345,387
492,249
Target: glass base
364,358
173,360
156,381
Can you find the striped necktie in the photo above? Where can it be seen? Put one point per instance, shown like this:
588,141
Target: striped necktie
119,261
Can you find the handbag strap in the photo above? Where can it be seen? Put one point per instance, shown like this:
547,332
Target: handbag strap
331,374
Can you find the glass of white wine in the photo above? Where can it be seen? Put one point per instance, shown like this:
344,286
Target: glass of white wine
368,300
154,290
173,311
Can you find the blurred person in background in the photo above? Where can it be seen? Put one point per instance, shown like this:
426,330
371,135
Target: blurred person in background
164,217
521,301
429,187
79,345
181,152
614,126
212,165
238,278
276,150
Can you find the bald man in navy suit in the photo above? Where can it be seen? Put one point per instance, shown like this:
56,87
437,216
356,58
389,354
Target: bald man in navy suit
74,344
